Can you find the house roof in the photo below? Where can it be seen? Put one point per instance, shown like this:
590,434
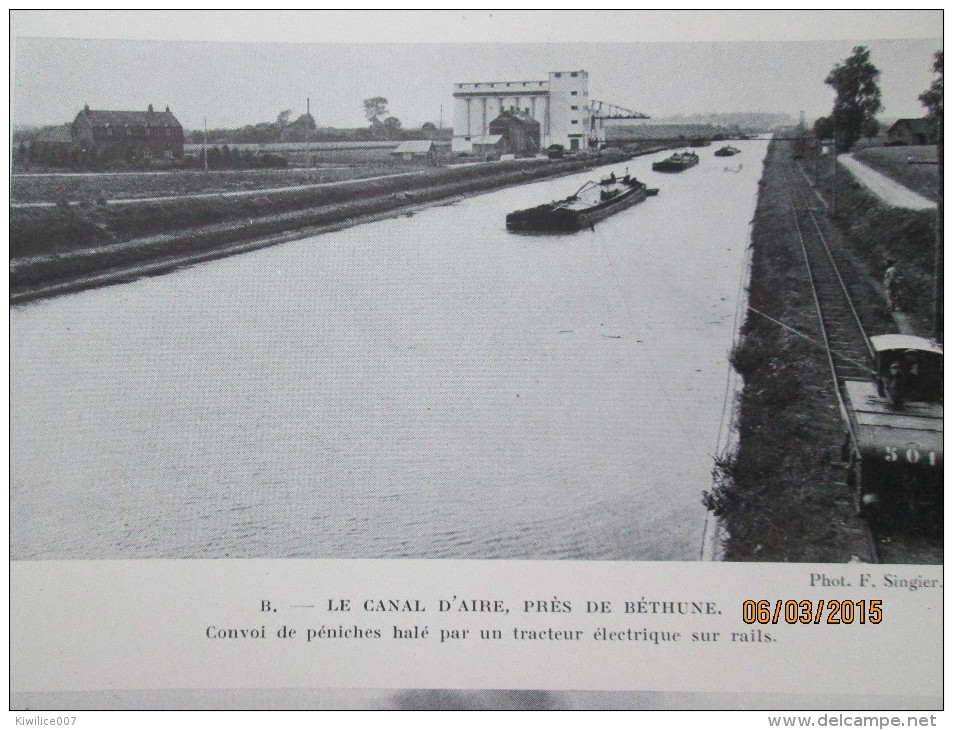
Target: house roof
917,124
101,117
486,139
61,133
417,146
508,116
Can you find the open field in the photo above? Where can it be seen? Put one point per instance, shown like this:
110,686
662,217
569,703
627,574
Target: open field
75,187
892,162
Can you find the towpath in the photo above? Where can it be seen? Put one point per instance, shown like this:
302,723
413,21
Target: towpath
889,191
896,195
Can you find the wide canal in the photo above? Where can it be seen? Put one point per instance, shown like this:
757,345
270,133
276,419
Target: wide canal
425,386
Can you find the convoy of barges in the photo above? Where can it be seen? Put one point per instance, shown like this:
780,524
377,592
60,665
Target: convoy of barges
894,449
595,201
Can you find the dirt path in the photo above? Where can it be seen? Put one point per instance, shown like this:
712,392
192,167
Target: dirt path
889,191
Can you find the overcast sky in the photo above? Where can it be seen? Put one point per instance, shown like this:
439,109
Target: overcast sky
235,83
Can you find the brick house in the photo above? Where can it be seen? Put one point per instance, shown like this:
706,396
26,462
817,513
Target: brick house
912,132
138,138
520,132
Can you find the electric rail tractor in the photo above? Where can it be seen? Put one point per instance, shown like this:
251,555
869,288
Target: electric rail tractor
894,445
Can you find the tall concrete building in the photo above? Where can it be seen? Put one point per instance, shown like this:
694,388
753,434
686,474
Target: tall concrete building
560,104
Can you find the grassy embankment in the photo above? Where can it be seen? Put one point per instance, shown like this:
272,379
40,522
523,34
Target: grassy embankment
52,246
892,162
873,231
778,496
781,496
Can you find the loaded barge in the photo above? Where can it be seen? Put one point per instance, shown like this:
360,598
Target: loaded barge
589,204
727,151
676,163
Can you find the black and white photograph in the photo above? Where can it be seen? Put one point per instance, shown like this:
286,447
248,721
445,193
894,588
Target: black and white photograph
650,298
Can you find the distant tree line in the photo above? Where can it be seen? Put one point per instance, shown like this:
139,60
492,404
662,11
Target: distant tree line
281,130
382,127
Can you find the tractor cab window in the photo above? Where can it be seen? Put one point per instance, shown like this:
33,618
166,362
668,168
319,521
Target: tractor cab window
916,373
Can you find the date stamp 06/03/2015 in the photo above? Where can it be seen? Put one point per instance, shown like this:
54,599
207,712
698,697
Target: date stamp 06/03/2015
806,611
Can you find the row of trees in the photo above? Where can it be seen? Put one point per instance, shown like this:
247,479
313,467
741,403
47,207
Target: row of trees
231,158
389,127
857,100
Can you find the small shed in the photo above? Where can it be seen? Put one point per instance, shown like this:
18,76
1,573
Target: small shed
418,149
52,146
489,146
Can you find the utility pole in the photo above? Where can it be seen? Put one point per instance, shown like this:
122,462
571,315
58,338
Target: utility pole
834,184
440,128
307,136
817,157
205,144
834,178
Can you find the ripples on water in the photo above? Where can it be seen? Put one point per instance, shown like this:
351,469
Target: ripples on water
419,387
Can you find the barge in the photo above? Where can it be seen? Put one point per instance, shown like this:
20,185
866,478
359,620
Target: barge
676,163
592,202
727,151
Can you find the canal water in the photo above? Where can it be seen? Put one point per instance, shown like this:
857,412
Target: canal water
424,386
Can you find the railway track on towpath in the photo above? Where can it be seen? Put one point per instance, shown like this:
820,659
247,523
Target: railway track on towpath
848,352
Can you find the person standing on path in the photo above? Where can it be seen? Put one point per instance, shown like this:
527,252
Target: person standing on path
892,285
